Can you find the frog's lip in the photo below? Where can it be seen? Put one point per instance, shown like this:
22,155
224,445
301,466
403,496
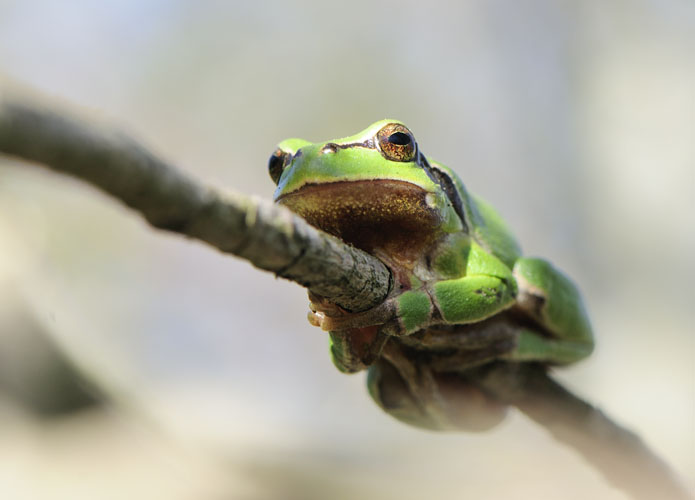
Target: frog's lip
393,186
366,212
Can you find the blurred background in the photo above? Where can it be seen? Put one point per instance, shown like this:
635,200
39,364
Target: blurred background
136,364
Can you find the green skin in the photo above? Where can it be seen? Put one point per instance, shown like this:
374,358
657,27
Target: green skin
463,295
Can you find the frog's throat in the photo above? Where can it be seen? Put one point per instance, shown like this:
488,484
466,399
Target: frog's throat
385,214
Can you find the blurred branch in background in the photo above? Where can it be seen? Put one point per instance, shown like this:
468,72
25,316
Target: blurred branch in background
275,240
34,372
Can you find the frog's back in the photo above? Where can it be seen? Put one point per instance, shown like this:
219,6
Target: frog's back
487,227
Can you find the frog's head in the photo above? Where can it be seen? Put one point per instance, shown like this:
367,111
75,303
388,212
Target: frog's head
368,188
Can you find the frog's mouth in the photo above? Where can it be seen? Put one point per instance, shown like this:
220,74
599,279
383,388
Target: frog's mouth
391,215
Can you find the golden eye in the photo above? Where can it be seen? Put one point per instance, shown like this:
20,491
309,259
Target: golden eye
396,142
276,164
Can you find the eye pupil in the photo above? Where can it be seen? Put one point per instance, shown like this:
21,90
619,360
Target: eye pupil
399,139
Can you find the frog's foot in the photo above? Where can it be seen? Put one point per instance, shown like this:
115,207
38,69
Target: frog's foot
331,317
318,304
415,393
401,314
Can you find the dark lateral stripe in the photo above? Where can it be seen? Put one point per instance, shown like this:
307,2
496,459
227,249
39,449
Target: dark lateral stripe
447,184
367,143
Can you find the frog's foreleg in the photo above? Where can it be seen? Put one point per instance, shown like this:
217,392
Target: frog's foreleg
473,298
462,300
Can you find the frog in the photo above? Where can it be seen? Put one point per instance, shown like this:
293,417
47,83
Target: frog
462,294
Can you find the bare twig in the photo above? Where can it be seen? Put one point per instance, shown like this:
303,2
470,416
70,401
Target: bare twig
274,239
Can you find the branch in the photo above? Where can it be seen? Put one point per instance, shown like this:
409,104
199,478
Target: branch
267,235
619,454
276,240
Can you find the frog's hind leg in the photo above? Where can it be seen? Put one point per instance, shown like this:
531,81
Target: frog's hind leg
559,331
413,393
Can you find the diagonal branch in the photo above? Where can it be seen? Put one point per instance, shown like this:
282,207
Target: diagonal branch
276,240
267,235
619,454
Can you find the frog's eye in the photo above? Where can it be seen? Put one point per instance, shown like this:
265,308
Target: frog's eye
396,142
276,164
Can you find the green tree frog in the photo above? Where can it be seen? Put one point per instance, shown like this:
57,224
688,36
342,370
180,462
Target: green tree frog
462,293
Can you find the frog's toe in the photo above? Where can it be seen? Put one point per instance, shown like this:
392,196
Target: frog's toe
315,318
379,315
320,304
